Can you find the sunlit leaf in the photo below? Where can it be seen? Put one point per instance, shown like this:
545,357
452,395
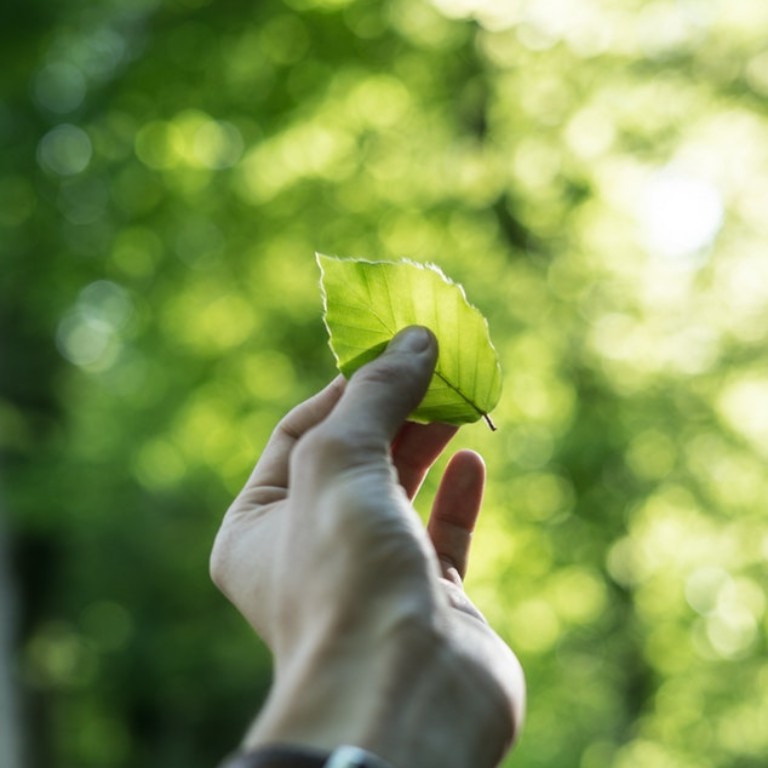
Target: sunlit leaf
367,303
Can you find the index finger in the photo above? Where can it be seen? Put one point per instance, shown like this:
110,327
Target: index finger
269,479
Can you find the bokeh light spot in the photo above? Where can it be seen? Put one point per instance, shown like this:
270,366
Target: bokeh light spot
159,465
681,214
731,631
268,375
210,320
137,251
87,342
60,88
88,335
703,586
491,14
285,39
540,495
651,454
757,73
217,145
743,405
56,657
65,150
159,145
535,626
577,594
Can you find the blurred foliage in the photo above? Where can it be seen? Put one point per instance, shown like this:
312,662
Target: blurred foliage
596,174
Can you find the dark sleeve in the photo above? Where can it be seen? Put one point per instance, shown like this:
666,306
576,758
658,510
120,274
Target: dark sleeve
277,757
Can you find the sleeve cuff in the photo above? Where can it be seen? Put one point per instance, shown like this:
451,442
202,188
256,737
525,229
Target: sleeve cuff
300,757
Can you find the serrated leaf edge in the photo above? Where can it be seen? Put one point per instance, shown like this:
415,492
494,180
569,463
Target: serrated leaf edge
420,265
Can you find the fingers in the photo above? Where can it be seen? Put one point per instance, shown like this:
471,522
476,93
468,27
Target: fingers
455,512
381,395
270,475
415,449
372,406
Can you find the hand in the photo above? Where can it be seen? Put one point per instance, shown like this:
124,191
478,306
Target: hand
375,642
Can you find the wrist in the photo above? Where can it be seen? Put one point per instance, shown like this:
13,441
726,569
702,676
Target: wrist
414,699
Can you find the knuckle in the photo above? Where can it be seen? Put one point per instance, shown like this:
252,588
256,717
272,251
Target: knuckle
328,448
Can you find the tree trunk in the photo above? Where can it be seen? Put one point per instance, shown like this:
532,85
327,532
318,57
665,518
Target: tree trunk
10,720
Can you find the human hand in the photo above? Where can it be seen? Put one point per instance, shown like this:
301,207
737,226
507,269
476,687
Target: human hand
375,642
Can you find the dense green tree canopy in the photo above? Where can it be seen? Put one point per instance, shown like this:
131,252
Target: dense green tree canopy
595,174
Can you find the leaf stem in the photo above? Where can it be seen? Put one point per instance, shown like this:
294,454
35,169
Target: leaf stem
489,422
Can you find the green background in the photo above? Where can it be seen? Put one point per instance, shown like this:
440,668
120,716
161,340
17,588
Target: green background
595,174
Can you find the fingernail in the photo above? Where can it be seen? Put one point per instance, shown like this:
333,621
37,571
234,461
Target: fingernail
414,339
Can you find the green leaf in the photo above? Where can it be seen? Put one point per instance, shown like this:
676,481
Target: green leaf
367,302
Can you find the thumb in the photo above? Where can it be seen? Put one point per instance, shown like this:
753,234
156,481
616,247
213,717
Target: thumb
379,397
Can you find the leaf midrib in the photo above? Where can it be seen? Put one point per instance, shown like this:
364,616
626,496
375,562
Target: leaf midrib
440,375
467,400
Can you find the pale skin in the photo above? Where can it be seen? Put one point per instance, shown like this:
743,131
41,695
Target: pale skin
375,642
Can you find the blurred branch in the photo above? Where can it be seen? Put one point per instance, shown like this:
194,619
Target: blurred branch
517,236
